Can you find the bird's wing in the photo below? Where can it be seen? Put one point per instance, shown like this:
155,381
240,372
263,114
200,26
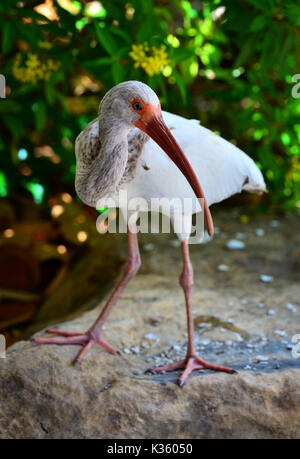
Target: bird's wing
221,167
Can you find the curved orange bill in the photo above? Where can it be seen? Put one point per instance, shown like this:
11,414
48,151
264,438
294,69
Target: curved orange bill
156,128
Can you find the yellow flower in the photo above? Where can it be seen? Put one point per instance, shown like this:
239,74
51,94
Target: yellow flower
33,69
152,61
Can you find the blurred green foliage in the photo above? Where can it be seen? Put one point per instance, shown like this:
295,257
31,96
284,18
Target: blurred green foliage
228,63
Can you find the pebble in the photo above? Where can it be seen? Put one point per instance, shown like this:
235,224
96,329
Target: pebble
244,301
176,347
234,244
261,358
240,235
260,232
261,305
265,278
202,325
175,243
274,223
291,307
223,268
229,342
148,247
280,332
127,351
239,337
205,342
247,367
230,303
150,336
289,347
271,312
135,349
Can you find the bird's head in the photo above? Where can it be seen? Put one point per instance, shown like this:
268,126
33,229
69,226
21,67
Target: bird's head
134,104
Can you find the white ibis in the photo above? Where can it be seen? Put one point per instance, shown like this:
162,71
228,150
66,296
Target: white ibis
130,146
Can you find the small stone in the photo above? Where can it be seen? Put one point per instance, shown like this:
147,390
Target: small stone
230,303
176,347
291,307
135,349
261,305
247,367
234,244
261,358
240,235
202,325
205,342
260,232
175,243
148,247
127,351
239,337
274,223
229,342
271,312
265,278
223,268
244,301
150,336
280,332
289,347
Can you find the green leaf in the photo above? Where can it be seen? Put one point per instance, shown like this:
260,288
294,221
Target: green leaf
7,37
259,23
121,33
40,115
98,62
181,54
105,39
118,72
181,86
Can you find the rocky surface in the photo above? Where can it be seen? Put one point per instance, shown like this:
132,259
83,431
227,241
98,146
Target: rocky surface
246,309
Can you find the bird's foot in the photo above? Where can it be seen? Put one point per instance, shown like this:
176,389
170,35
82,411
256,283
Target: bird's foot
86,340
190,363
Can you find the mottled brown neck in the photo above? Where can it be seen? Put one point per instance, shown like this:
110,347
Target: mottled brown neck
103,175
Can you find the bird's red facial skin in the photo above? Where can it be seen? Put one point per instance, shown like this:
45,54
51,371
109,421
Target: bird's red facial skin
146,113
152,123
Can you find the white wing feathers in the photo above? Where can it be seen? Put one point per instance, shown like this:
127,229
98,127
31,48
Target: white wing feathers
222,168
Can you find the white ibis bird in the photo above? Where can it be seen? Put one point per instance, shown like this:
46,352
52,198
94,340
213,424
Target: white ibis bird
130,146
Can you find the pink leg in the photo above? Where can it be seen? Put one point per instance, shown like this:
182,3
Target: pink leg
92,336
192,360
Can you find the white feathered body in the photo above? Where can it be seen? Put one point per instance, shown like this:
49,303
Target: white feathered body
221,167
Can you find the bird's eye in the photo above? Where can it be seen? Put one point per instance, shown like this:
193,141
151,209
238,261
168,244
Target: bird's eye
137,106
